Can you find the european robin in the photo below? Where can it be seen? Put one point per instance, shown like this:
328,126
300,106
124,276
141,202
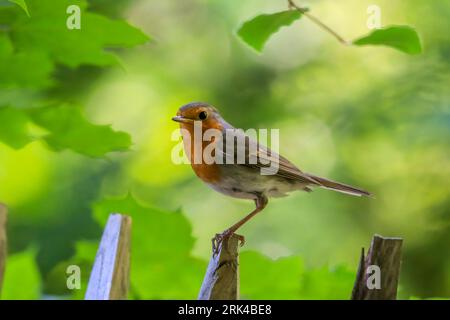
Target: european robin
243,179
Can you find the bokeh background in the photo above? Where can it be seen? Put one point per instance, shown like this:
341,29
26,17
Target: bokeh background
369,116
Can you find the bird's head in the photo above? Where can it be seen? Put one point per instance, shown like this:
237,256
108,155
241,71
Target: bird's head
199,111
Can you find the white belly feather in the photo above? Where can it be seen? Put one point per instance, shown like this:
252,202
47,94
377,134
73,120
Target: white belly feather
246,183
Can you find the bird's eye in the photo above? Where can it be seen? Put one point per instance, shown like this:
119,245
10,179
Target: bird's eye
202,115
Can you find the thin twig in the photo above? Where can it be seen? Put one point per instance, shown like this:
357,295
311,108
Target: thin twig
305,11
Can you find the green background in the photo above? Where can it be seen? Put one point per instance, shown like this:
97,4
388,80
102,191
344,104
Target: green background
369,116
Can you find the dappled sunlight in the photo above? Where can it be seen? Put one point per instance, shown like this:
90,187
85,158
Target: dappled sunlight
24,174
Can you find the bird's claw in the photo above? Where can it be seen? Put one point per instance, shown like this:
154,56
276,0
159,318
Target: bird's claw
220,237
216,240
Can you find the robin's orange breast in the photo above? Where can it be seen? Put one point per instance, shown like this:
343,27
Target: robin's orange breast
209,173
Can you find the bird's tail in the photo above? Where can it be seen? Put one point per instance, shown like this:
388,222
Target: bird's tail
339,187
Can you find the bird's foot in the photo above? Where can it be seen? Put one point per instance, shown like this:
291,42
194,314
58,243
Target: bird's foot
221,237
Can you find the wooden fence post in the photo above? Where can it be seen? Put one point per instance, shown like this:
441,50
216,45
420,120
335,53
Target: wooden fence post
3,247
221,281
384,253
109,279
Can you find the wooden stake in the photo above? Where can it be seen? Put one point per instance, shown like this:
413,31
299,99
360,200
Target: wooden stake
384,253
109,279
221,281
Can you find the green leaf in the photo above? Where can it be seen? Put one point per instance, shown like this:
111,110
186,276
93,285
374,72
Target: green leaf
72,47
66,128
23,69
264,278
161,250
258,30
432,298
328,283
14,127
22,279
403,38
287,278
56,279
22,4
69,129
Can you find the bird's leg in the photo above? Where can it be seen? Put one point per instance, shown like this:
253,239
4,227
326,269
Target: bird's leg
261,203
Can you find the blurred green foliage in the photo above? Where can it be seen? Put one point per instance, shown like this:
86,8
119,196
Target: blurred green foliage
67,128
22,279
371,116
13,131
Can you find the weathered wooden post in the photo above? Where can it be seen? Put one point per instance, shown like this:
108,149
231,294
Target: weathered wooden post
3,248
109,279
221,281
385,254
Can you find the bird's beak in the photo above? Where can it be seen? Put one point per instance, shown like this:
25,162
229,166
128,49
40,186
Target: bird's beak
182,119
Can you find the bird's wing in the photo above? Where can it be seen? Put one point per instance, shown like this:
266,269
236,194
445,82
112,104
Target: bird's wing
260,157
286,169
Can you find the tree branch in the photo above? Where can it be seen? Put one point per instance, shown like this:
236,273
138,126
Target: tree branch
305,12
